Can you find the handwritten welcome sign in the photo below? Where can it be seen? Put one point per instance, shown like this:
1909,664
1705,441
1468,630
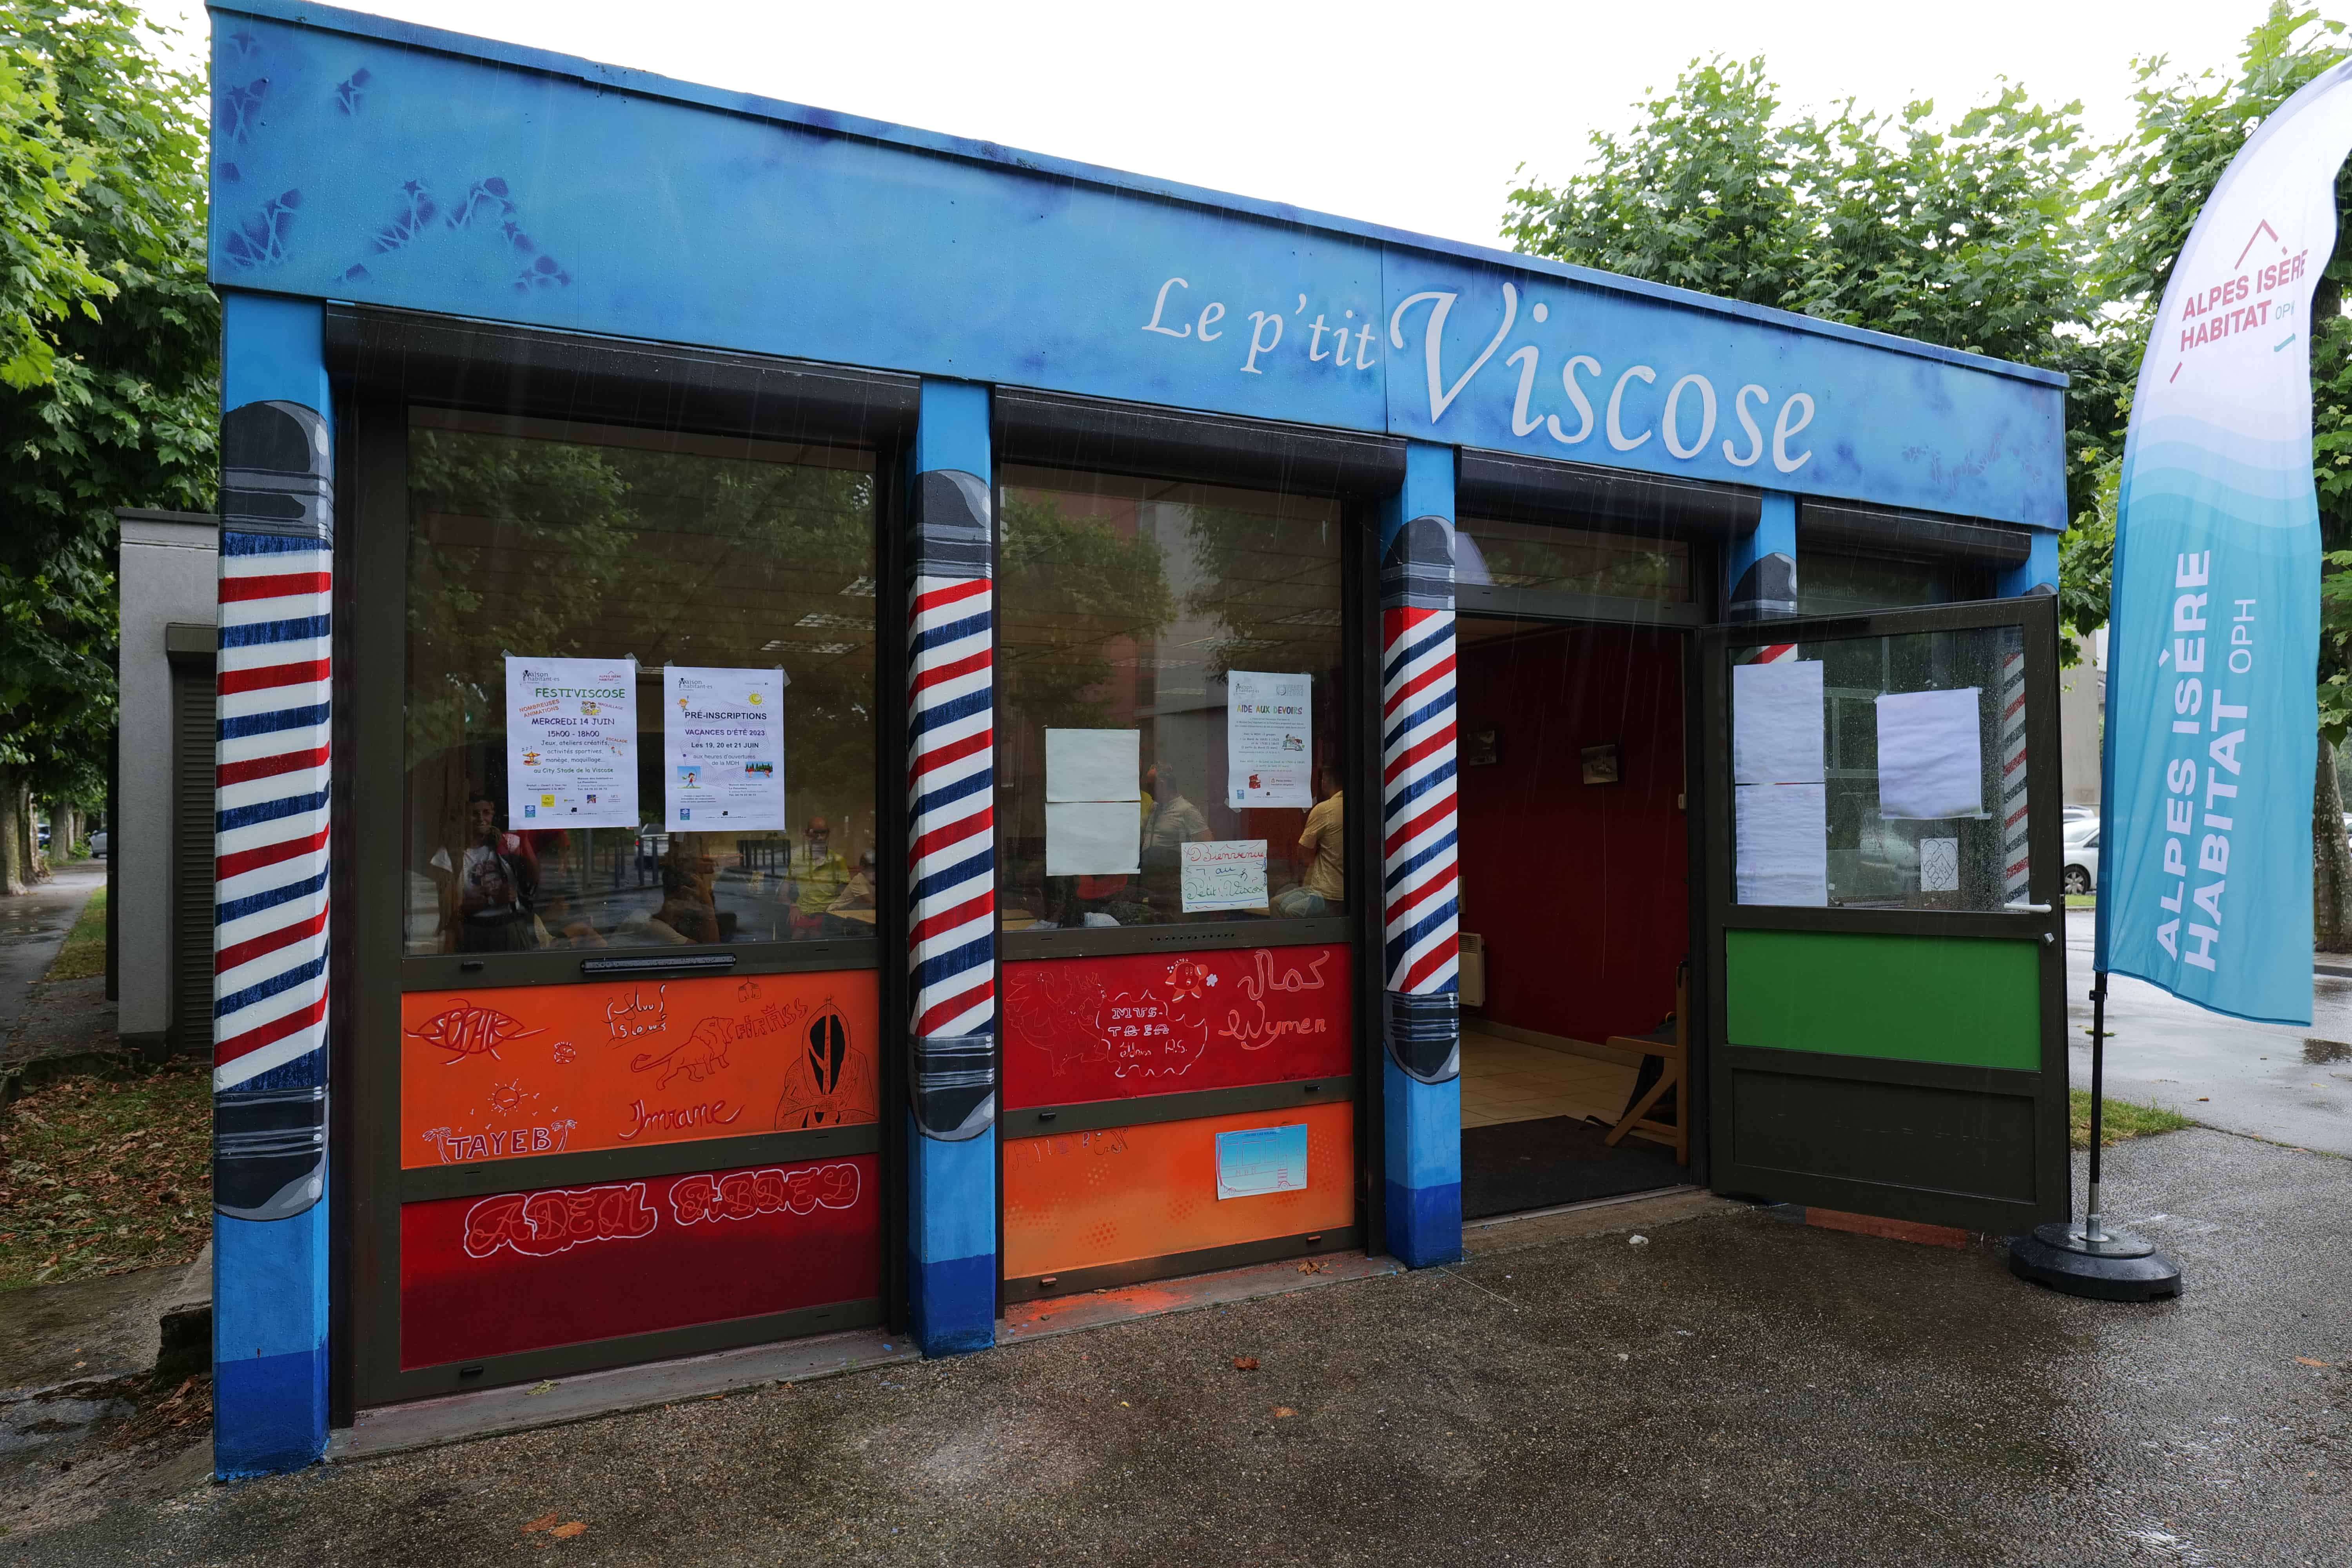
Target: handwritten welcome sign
1229,875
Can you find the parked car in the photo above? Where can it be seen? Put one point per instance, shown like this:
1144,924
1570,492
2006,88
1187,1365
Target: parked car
97,844
2076,830
2081,872
2074,814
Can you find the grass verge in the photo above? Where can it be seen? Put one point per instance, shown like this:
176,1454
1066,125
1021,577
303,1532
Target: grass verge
2118,1119
98,1175
84,953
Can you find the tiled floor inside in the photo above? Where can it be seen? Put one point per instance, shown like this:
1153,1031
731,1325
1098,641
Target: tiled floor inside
1510,1081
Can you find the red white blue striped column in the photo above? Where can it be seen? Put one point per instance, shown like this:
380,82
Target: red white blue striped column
270,902
2037,573
952,874
1760,568
1421,960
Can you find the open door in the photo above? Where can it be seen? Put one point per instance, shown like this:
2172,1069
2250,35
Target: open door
1883,961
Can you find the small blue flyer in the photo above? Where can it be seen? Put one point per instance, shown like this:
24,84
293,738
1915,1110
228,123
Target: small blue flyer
1260,1160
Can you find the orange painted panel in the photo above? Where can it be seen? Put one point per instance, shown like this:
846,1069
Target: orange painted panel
1073,1200
535,1069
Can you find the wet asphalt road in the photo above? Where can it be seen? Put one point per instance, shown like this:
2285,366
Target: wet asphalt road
1736,1392
2287,1084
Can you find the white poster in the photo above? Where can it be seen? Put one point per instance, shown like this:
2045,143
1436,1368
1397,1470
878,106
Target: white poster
1230,875
723,749
1781,839
571,742
1930,755
1094,764
1093,837
1269,740
1776,722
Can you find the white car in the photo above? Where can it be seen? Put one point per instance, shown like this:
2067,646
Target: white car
97,844
2081,873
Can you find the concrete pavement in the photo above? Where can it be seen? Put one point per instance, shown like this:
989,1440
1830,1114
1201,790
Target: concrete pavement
33,926
1733,1392
2268,1080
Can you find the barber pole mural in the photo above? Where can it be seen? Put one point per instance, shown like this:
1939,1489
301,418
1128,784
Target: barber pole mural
2016,862
950,810
269,984
1420,860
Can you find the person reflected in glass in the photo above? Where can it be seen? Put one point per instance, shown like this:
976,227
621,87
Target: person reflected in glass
817,876
560,903
690,908
1324,842
488,887
852,913
1169,822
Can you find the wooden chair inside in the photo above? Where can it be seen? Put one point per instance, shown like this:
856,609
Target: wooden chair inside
1673,1046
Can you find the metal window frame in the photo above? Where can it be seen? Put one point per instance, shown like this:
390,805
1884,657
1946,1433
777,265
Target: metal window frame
383,363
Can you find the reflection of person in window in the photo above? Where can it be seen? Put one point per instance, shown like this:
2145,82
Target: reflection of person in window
488,887
563,917
855,899
1324,840
817,876
689,910
1169,822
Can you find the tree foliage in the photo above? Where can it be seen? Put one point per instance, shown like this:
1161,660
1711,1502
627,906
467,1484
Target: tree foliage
108,356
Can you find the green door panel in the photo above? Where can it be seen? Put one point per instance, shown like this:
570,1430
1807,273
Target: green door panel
1969,1001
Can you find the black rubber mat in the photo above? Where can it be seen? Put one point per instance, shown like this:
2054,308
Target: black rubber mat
1514,1165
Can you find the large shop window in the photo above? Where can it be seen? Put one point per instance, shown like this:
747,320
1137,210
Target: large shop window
1832,583
640,688
1171,692
1535,556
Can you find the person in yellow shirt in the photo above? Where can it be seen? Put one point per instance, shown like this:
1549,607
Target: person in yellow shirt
818,876
1324,841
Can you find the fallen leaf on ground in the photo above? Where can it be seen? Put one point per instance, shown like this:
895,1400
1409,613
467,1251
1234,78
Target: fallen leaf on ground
2308,1361
566,1531
1283,1411
541,1387
1244,1364
545,1521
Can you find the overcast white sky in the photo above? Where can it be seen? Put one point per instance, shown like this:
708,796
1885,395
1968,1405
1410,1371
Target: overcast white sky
1409,115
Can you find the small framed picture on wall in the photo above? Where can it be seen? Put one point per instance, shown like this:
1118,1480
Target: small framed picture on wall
1601,764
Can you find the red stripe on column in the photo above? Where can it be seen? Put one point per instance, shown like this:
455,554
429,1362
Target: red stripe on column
244,860
1417,751
304,673
1419,824
1431,962
953,751
963,1003
956,594
253,1039
269,767
951,671
283,586
229,958
1442,667
979,821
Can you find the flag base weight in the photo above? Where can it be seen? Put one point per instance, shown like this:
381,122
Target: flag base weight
2119,1267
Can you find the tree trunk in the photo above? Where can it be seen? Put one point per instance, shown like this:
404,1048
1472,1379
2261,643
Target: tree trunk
2331,860
13,876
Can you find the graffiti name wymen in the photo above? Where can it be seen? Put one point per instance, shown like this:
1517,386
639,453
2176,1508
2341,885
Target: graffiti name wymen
2197,716
1691,406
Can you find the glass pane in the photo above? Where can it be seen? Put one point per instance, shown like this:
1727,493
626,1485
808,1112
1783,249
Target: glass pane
1914,796
1129,612
750,562
1828,584
1571,560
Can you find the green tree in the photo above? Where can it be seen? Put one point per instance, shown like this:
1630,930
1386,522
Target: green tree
2187,130
108,361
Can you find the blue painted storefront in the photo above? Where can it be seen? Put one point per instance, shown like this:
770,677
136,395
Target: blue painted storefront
373,163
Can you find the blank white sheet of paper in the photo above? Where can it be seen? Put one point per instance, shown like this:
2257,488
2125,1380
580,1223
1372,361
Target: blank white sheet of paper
1930,756
1776,722
1092,837
1782,833
1093,765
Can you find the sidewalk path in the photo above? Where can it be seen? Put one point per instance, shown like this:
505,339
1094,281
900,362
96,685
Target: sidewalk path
33,926
1737,1392
2289,1084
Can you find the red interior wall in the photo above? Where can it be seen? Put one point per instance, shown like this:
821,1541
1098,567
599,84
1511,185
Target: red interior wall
1580,891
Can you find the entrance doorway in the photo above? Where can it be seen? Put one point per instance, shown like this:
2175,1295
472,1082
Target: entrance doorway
1576,912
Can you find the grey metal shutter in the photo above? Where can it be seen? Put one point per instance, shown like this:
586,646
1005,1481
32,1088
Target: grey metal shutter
192,856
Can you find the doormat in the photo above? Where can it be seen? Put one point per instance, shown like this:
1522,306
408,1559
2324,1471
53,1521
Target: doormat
1508,1166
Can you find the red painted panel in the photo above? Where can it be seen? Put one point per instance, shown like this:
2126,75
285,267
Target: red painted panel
1079,1029
483,1276
1580,891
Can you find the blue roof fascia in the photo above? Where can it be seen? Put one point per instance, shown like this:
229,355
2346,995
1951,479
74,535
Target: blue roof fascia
622,78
